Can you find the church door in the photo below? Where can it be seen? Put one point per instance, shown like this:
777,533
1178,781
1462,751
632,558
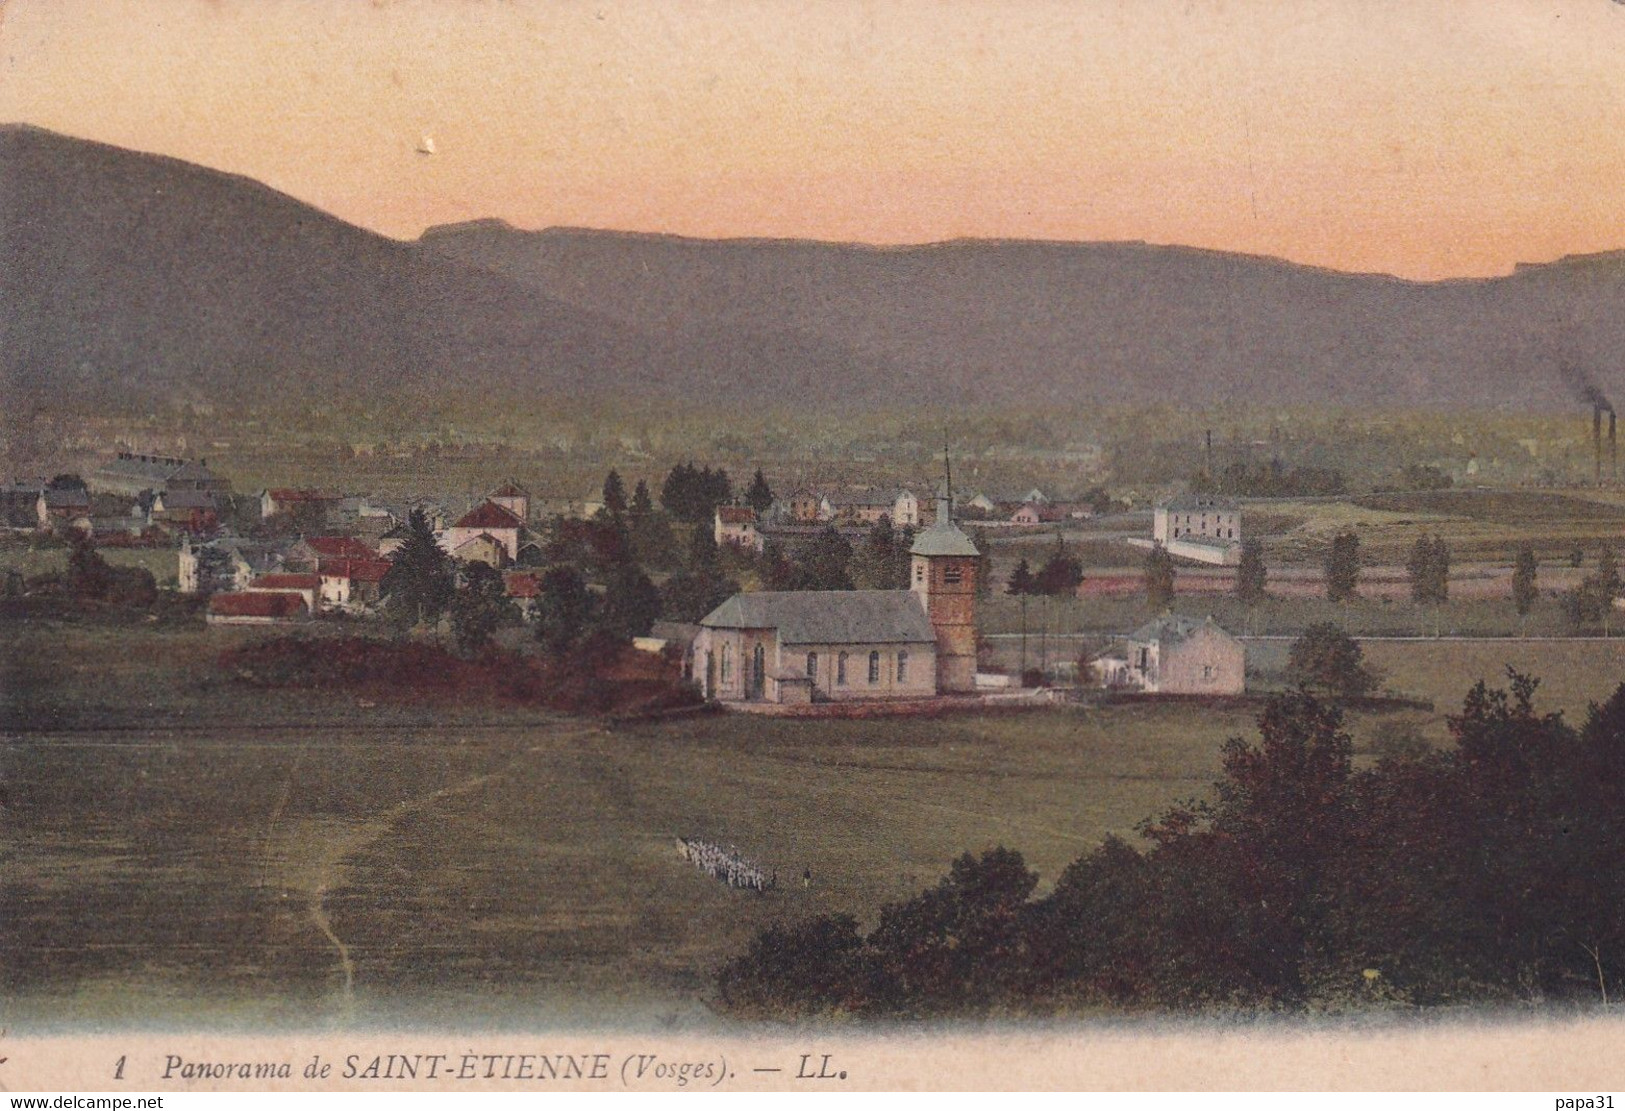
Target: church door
758,673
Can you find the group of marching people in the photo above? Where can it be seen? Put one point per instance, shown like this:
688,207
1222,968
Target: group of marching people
725,864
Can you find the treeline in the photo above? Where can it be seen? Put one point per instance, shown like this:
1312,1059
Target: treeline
1492,871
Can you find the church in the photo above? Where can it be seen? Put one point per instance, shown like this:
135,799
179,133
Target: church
800,646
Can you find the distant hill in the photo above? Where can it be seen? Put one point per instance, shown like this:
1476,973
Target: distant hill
1111,322
126,277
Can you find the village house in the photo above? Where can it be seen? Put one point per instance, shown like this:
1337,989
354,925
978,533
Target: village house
808,506
1037,513
868,506
308,587
255,608
523,589
512,497
281,501
483,548
351,585
58,508
229,564
189,511
308,551
736,525
1176,655
836,645
489,519
19,504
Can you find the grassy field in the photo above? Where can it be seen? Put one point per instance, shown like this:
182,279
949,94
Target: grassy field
178,850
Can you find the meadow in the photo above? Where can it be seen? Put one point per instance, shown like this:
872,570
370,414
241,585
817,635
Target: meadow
181,851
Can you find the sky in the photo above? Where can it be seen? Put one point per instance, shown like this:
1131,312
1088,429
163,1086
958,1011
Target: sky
1425,139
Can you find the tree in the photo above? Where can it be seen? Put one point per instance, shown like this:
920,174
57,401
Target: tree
631,604
1159,577
614,495
876,563
419,585
1429,568
480,606
1343,567
760,495
1251,574
642,506
564,608
689,595
1060,575
826,562
1021,580
1328,659
1525,590
703,554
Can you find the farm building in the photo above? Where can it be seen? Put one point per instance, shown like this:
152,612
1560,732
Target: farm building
1176,655
256,608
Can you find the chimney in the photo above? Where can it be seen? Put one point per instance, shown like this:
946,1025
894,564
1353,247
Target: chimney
1210,453
1596,439
1613,448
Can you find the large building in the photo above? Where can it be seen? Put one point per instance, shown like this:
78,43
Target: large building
838,645
131,473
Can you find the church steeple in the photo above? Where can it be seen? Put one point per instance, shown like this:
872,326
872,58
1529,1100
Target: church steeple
942,575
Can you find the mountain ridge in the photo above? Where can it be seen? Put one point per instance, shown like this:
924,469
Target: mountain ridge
129,277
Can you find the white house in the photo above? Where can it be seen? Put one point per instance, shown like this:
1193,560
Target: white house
1176,655
486,518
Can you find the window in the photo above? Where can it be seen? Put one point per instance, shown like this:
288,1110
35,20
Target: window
952,575
919,572
812,666
874,668
727,664
1207,671
902,667
840,670
1145,655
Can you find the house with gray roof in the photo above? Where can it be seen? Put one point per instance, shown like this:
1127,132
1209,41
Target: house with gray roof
1175,655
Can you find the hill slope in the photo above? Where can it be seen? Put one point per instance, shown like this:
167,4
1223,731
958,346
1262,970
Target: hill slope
129,276
1112,322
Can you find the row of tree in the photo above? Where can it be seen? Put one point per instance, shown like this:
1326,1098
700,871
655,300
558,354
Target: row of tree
1491,871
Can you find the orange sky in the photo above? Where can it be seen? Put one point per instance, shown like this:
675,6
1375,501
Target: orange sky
1427,138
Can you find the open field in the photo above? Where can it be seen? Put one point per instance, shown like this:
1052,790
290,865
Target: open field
178,846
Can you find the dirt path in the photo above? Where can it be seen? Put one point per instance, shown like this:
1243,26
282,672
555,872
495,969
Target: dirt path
308,854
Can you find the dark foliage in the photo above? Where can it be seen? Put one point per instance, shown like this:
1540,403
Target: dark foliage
480,607
1251,575
760,495
692,495
1429,568
1159,577
1343,567
1491,871
419,585
1327,659
1525,589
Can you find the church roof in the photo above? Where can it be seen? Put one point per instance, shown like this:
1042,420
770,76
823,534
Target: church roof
828,616
943,539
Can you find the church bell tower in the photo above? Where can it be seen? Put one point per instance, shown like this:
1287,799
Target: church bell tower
942,575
